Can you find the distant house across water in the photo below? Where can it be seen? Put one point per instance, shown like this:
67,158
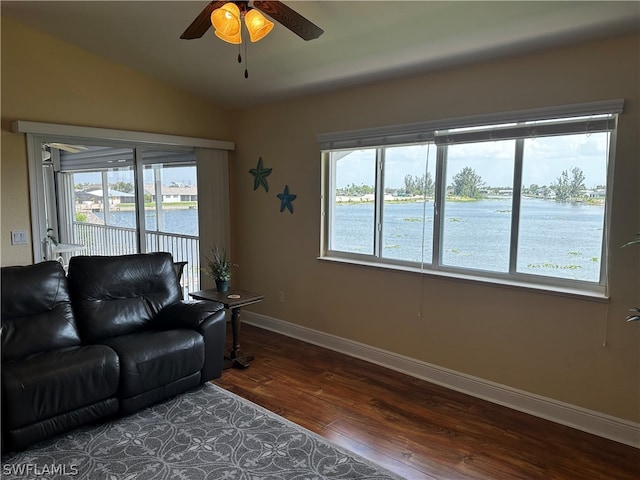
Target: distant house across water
91,197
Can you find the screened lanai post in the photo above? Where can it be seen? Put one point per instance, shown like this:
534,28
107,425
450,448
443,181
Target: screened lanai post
63,208
157,185
213,203
105,199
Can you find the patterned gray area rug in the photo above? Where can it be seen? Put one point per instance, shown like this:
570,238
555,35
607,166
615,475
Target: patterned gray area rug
208,433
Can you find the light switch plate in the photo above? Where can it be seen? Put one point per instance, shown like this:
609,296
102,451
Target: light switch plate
19,237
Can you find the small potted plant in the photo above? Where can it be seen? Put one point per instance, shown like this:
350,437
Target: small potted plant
219,268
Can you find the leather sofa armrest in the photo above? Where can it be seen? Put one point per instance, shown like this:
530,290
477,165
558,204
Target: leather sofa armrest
208,319
187,314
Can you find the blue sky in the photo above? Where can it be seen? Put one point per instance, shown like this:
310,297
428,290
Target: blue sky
544,160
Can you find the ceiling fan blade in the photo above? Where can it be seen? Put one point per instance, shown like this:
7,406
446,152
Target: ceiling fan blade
289,18
201,23
67,147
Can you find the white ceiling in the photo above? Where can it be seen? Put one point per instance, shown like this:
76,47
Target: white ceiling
363,41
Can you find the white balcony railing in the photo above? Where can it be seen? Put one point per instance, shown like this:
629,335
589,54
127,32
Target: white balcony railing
109,240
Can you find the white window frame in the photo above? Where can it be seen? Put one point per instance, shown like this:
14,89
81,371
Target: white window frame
443,132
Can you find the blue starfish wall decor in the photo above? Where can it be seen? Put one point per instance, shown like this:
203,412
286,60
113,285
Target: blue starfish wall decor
285,199
260,175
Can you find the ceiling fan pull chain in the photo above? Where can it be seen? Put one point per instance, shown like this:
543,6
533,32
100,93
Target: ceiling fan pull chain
246,71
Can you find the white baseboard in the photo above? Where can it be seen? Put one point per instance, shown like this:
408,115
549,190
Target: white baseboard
590,421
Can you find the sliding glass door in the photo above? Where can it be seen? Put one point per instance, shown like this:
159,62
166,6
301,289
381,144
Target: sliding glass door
109,200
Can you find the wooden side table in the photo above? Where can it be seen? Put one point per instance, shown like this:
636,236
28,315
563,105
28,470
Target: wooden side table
233,300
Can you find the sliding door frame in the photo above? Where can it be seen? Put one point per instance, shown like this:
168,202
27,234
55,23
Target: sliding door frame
38,133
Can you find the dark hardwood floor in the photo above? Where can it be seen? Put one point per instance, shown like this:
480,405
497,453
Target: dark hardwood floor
414,428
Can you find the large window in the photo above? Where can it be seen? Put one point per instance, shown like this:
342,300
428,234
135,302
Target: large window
521,200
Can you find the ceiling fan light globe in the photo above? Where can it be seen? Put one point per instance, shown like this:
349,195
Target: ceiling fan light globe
257,25
235,39
226,19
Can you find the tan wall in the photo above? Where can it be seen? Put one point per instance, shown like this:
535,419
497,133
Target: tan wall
542,343
46,80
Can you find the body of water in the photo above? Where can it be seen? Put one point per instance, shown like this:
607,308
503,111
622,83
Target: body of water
180,221
555,239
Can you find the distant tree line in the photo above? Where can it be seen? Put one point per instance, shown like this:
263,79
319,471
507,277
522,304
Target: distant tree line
354,190
467,183
124,187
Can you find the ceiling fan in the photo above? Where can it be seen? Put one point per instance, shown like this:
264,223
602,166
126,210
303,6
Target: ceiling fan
278,11
47,146
65,146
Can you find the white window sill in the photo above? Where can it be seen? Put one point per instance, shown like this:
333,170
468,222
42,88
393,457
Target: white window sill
596,293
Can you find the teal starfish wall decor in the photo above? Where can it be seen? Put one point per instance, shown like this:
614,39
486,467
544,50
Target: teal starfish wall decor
260,175
285,199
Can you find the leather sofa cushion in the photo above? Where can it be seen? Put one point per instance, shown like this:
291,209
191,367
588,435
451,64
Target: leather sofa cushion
120,295
152,359
133,404
48,384
19,438
36,310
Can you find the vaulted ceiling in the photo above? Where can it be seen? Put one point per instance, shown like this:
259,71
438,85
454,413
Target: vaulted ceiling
363,41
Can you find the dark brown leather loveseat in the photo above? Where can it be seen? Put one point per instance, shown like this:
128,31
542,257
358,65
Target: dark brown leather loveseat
111,337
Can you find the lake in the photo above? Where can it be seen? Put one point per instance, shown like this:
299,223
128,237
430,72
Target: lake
555,239
181,221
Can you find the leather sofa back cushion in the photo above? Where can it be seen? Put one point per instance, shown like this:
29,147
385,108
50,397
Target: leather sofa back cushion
36,310
120,295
